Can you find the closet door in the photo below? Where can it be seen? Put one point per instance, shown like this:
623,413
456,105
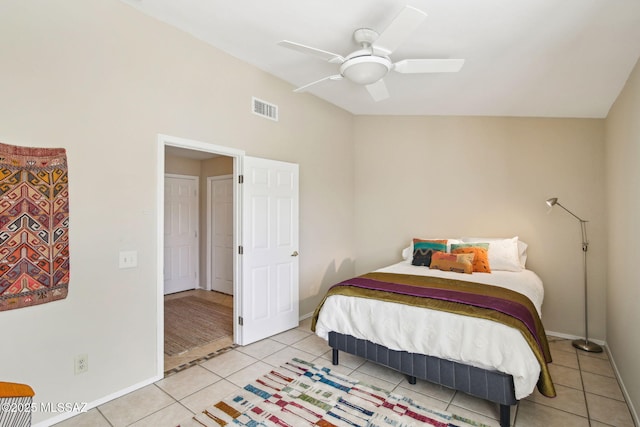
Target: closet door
270,248
180,233
221,233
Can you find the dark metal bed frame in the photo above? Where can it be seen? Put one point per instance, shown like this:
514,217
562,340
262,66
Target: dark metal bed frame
493,386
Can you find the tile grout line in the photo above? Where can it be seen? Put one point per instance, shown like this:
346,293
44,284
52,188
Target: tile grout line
584,390
104,416
157,410
579,369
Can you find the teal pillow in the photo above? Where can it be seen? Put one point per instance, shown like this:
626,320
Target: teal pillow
423,249
469,245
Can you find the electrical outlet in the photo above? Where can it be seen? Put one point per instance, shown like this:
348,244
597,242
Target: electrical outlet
82,364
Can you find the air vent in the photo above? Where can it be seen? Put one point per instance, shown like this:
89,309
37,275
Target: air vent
264,109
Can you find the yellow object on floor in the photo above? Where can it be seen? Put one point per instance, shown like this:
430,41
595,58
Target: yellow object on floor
15,390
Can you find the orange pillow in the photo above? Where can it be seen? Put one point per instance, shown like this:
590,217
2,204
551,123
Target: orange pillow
459,263
480,257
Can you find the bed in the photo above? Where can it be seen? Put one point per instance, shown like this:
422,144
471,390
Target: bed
438,325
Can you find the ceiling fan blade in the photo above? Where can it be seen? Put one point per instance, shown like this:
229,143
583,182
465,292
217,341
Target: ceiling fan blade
378,90
327,56
304,88
400,28
428,65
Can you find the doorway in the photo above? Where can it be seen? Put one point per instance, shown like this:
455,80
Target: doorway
196,308
265,242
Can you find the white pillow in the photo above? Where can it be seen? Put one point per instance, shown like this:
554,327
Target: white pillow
407,253
522,253
503,253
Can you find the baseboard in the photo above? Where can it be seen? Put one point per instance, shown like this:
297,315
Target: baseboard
574,337
632,409
305,316
66,415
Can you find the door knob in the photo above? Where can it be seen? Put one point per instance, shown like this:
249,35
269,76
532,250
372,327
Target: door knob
295,253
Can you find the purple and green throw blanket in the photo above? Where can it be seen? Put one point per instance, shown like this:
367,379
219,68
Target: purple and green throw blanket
459,297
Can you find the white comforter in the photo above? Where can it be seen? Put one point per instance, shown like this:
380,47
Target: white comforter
473,341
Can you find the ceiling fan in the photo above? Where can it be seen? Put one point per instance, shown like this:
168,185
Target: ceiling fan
367,66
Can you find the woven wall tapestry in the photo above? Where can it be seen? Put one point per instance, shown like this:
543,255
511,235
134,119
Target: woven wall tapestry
34,225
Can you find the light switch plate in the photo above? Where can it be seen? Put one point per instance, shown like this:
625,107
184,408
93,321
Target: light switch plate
128,259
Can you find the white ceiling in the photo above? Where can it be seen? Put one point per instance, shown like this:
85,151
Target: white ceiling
541,58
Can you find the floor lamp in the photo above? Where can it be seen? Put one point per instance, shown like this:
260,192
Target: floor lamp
584,344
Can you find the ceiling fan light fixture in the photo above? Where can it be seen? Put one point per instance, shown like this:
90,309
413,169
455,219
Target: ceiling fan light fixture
365,70
368,65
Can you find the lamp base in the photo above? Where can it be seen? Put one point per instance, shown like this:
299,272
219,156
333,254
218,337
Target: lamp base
586,345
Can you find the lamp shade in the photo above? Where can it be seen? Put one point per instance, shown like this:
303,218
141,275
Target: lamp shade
552,201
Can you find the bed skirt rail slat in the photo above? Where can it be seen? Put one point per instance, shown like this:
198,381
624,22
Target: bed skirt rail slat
489,385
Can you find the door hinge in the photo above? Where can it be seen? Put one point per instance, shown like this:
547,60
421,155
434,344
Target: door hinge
240,250
240,320
240,179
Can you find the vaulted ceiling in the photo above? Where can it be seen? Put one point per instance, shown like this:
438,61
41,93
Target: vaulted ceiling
540,58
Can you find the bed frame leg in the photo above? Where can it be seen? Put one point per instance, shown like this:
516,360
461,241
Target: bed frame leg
411,379
505,415
334,356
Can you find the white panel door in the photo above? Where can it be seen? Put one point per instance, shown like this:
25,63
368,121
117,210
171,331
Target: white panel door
180,233
270,248
221,208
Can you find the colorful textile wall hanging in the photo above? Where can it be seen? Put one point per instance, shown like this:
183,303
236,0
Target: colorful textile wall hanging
34,226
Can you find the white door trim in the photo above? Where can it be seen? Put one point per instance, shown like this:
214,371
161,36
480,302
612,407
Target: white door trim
237,155
209,250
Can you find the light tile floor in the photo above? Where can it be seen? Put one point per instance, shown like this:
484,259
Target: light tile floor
588,392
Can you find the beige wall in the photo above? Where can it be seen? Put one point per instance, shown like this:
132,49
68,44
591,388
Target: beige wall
181,165
488,177
217,166
623,207
102,80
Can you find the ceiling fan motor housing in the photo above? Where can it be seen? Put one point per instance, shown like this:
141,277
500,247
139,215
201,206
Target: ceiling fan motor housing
365,36
362,66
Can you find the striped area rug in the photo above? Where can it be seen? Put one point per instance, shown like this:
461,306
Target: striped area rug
300,393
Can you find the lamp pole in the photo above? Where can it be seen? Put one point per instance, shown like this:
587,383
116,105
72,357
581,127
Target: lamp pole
585,344
580,344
